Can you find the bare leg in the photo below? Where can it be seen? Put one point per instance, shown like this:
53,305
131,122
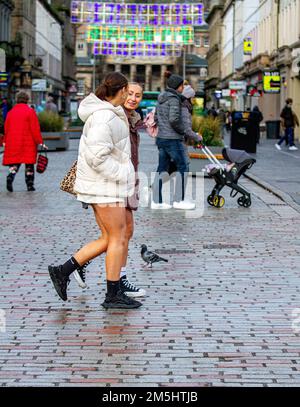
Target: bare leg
94,248
129,233
113,218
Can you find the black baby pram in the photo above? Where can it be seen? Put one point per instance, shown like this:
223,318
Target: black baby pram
223,177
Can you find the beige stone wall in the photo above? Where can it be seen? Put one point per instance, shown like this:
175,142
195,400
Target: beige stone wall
289,19
214,54
23,22
226,66
273,34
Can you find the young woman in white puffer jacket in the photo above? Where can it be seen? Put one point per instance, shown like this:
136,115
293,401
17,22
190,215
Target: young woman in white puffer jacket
105,178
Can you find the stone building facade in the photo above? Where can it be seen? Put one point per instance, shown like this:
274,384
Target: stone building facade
6,8
273,26
214,54
148,71
46,40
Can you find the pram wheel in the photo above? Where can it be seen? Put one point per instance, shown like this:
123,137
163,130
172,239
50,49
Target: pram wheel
218,201
244,201
210,200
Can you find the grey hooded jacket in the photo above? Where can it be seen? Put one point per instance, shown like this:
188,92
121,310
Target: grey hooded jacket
168,115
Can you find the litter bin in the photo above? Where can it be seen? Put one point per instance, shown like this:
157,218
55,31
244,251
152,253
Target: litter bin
273,129
242,137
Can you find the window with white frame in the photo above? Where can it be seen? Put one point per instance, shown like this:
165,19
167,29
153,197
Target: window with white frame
197,41
206,41
80,87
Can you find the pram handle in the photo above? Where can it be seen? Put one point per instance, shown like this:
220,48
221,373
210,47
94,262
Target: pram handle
200,145
209,154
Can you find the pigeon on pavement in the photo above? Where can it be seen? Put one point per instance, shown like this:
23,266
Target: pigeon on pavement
150,257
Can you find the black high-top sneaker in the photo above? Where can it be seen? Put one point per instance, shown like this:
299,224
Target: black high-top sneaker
120,300
79,275
30,188
59,280
130,289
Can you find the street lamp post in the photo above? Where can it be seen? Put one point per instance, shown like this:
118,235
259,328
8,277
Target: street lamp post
183,62
93,62
233,37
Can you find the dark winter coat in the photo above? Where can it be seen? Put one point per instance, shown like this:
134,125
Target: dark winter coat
256,116
168,115
22,135
190,135
289,118
254,120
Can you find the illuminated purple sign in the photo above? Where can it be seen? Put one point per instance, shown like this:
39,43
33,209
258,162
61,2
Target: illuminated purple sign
136,49
88,12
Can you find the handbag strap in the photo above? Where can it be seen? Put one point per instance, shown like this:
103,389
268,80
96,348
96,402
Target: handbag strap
43,151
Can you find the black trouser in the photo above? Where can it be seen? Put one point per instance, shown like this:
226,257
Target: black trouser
29,173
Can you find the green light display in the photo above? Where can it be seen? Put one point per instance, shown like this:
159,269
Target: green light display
147,34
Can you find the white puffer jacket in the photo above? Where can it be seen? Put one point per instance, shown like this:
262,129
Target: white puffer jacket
104,167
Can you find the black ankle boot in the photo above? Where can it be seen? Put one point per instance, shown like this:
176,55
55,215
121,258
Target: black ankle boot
59,280
120,300
9,182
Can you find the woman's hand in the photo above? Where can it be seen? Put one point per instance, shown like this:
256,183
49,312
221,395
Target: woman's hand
44,146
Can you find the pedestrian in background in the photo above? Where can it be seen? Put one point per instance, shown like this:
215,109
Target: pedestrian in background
212,112
170,143
104,180
5,108
289,121
51,106
255,118
22,136
228,121
222,119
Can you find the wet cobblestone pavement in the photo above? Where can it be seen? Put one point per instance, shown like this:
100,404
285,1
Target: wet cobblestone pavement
218,313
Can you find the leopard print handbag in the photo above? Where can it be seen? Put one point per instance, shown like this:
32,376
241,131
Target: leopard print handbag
68,182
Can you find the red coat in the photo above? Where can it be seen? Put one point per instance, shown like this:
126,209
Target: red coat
22,135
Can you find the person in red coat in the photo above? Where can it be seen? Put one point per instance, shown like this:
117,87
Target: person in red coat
22,136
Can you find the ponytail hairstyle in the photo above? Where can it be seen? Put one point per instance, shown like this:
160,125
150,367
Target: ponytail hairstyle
111,85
